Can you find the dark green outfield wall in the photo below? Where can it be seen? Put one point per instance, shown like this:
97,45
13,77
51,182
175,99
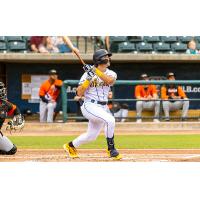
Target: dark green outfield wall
129,71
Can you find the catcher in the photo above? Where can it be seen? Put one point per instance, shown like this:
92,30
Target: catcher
17,123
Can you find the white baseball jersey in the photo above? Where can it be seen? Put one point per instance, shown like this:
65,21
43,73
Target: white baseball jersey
98,89
98,115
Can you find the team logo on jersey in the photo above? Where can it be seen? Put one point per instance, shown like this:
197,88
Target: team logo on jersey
96,83
172,91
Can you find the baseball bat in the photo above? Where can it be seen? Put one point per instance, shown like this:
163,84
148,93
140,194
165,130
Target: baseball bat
79,57
69,43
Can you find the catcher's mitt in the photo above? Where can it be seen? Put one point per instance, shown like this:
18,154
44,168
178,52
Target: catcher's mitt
17,123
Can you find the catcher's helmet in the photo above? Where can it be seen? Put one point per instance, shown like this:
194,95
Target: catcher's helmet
2,91
98,56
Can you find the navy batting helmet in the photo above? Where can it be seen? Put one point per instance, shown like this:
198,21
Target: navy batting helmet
98,56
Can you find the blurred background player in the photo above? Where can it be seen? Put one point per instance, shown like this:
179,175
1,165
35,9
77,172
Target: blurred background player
17,123
120,111
95,85
49,92
146,93
174,94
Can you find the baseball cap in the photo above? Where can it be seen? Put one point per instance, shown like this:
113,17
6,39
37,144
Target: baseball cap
144,76
52,72
170,74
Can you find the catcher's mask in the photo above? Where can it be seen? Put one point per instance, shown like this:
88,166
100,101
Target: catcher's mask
3,95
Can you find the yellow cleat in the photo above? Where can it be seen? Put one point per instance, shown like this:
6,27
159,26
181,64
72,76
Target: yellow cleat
71,151
114,154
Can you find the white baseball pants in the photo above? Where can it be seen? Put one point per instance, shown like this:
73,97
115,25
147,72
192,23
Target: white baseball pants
121,114
99,116
47,111
5,143
172,106
148,105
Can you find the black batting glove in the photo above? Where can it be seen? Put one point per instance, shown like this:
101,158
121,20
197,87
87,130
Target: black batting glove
88,68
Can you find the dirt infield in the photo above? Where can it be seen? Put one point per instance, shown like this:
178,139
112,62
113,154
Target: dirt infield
86,155
136,132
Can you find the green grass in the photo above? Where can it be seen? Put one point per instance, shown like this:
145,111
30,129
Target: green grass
127,141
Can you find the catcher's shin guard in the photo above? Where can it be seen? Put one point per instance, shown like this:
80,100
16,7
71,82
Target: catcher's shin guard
112,152
6,146
11,152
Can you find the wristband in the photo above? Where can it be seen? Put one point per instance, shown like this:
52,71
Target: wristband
98,72
86,84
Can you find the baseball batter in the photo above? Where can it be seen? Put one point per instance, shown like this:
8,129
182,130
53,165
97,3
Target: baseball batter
8,109
95,85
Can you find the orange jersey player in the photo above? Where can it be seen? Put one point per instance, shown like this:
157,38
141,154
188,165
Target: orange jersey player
49,92
146,96
174,98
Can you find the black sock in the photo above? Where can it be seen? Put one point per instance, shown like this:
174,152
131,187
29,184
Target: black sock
71,144
110,143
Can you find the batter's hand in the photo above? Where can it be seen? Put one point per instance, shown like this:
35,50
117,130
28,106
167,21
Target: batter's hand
90,75
88,68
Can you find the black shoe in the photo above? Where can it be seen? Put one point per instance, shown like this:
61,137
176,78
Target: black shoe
167,119
113,153
183,119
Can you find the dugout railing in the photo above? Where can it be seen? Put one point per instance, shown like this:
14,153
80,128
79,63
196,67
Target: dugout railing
67,83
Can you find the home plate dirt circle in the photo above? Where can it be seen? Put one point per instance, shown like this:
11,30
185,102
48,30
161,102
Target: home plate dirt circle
96,155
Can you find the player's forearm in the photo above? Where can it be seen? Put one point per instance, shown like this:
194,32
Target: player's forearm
107,79
82,88
80,91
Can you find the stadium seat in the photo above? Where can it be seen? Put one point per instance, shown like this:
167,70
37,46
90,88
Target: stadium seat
198,46
169,39
14,38
126,47
3,47
114,42
144,47
197,38
27,38
151,39
134,39
185,39
114,47
2,39
17,46
118,39
162,47
179,47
